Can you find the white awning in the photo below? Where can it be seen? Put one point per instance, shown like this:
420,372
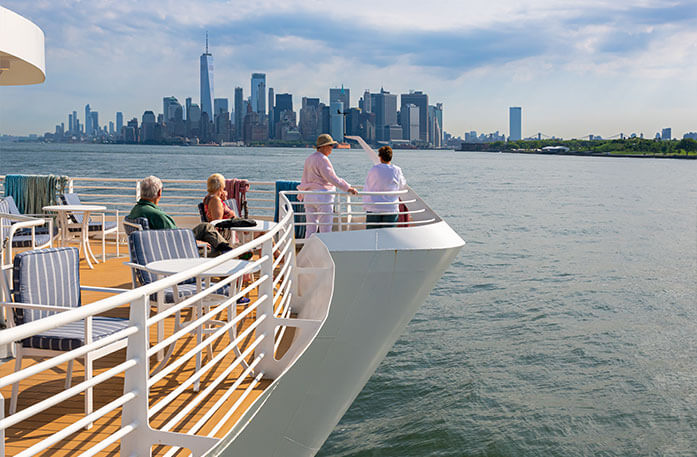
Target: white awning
22,58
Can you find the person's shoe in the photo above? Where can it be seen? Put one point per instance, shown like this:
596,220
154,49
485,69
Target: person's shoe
243,300
223,248
247,255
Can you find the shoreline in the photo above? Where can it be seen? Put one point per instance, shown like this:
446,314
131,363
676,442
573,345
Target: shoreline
592,154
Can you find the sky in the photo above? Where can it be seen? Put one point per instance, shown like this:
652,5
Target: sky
575,67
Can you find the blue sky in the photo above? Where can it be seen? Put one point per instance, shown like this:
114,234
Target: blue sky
576,67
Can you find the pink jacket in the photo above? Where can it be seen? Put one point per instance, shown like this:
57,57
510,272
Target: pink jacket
318,174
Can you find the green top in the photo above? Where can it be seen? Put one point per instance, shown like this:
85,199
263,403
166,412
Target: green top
157,218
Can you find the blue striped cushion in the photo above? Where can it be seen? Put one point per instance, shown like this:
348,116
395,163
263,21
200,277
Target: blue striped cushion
72,336
147,246
46,277
95,227
24,241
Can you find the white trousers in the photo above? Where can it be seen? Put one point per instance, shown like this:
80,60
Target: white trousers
319,212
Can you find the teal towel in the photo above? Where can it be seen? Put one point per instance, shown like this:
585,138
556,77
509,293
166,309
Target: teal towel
33,192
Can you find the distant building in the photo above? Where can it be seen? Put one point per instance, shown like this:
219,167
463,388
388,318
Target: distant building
384,106
691,135
284,118
342,95
94,115
149,128
220,106
88,121
514,122
309,121
130,131
420,100
119,122
169,107
336,122
272,125
207,82
435,124
111,128
666,134
239,112
258,98
409,116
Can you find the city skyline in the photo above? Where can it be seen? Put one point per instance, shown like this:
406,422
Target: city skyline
615,67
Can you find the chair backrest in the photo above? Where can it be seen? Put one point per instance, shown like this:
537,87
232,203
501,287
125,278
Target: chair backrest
141,222
45,277
202,212
147,246
73,199
8,205
4,222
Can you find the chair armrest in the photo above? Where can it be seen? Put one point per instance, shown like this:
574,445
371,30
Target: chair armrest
135,266
35,306
107,290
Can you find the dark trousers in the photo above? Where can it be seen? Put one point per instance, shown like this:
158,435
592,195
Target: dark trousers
389,220
206,232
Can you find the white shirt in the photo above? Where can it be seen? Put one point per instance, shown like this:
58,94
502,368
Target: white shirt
383,177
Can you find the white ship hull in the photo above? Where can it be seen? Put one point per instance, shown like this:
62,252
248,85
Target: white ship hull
381,279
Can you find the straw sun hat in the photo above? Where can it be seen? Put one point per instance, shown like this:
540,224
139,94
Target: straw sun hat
324,140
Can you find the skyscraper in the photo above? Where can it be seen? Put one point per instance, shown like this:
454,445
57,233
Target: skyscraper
207,82
95,122
220,105
420,100
272,117
384,106
258,99
666,134
119,122
409,115
336,122
88,120
169,107
342,95
514,120
239,112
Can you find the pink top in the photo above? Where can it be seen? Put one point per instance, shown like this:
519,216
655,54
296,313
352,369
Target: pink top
318,174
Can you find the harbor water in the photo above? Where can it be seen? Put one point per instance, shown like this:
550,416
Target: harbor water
567,326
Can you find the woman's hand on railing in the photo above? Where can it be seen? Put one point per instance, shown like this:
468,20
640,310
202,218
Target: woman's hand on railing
352,191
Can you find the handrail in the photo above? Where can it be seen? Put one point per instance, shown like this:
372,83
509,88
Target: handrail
259,338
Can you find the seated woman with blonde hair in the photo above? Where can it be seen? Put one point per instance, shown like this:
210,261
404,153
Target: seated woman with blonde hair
214,203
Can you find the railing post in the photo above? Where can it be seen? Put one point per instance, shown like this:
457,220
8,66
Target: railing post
70,185
266,327
2,431
138,442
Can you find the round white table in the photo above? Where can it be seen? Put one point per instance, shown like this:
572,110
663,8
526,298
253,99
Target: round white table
173,266
64,212
261,227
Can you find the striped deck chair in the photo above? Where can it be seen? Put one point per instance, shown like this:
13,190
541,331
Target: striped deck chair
36,298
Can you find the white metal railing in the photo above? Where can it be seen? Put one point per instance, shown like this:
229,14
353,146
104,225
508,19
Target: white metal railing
180,196
348,212
243,353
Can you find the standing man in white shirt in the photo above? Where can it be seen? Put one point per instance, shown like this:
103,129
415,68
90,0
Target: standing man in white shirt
383,177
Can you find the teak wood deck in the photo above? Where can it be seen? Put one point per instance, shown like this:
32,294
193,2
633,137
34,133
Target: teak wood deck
114,274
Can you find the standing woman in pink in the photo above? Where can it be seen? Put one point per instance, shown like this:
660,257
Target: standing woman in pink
318,175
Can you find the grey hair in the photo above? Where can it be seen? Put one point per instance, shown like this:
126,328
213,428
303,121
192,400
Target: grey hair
149,187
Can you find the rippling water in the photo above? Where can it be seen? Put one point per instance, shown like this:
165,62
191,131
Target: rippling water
567,326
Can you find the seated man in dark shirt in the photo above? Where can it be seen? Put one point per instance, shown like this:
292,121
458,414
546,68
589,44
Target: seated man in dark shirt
150,194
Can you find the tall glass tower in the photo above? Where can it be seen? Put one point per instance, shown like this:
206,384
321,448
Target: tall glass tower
259,93
207,82
514,119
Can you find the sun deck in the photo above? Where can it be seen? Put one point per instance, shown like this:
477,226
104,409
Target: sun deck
115,274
